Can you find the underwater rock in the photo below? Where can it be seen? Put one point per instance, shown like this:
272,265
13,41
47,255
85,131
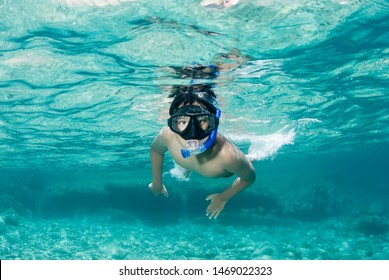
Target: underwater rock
265,249
316,202
10,217
373,225
10,202
115,250
180,252
264,257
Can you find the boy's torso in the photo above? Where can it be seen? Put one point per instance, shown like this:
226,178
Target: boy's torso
209,164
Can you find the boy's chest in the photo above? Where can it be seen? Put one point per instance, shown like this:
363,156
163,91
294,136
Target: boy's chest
209,167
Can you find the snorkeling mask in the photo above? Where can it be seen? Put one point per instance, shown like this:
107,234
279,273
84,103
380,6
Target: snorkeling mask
195,123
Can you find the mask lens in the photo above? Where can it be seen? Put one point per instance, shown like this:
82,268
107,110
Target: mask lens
179,123
206,122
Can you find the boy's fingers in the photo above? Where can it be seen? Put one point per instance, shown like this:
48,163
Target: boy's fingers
164,191
213,215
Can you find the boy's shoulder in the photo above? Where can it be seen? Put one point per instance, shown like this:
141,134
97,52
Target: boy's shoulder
164,131
228,150
166,135
225,142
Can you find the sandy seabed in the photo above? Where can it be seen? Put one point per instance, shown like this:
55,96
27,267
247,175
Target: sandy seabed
94,239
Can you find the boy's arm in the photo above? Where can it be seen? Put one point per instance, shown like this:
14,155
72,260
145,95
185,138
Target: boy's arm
246,176
245,171
157,151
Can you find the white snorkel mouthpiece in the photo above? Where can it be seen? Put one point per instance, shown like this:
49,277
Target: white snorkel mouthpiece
193,147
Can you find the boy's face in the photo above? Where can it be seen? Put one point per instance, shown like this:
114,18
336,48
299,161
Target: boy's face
193,121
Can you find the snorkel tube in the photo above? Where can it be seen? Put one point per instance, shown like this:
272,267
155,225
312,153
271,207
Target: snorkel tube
193,147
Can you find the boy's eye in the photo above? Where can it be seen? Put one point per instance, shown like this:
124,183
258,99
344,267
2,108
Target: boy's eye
180,123
202,120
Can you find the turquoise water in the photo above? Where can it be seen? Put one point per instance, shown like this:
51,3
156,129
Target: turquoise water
83,92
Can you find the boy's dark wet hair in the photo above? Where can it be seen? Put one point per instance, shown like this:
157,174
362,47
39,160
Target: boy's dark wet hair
187,94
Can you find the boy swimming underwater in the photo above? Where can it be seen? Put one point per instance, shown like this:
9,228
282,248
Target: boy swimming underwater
191,138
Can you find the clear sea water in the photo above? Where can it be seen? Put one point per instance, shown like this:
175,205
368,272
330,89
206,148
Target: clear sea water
83,92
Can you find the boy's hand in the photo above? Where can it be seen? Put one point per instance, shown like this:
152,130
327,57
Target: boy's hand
216,206
158,191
